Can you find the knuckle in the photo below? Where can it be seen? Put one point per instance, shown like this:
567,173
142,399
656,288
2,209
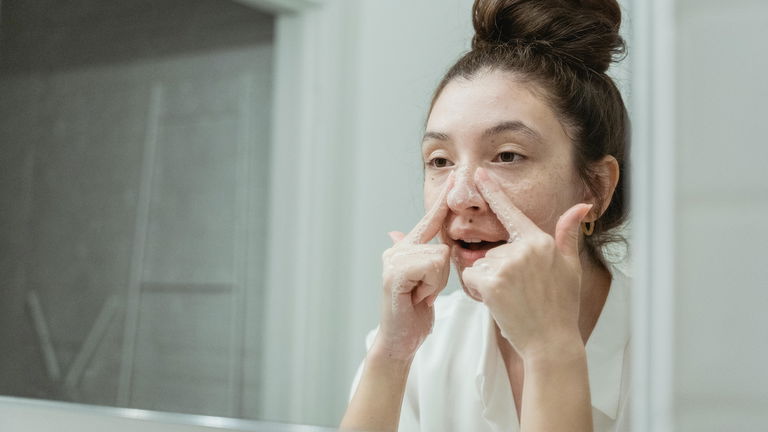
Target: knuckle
508,274
492,288
544,242
507,266
387,255
386,282
496,282
497,251
529,247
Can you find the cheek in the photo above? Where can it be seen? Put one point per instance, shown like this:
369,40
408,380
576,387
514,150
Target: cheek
543,197
432,187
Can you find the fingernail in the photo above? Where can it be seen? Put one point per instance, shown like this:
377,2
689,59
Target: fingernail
431,301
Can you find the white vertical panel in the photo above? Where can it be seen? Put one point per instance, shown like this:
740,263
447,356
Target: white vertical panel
308,292
653,204
279,330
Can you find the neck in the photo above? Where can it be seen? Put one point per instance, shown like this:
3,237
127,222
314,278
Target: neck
595,283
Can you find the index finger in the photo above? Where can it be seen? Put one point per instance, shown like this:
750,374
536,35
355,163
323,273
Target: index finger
512,218
430,224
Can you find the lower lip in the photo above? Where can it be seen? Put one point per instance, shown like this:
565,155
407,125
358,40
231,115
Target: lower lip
468,257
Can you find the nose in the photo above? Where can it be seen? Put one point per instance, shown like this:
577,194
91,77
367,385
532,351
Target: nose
464,196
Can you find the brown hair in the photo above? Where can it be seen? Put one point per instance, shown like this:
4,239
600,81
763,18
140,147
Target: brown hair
564,48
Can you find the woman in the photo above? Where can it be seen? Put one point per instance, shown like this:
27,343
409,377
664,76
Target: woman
524,152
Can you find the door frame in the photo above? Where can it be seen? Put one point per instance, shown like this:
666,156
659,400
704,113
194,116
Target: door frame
653,207
312,156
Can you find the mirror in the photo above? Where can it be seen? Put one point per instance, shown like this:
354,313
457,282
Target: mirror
135,140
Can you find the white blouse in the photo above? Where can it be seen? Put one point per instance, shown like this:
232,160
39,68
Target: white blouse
458,381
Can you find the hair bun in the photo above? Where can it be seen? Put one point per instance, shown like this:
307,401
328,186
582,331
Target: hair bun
582,30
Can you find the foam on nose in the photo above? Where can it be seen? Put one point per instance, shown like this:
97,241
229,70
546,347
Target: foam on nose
464,190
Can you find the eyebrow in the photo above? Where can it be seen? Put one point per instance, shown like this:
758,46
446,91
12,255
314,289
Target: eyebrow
439,136
507,126
512,126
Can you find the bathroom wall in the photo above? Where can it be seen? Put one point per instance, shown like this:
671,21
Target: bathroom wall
721,235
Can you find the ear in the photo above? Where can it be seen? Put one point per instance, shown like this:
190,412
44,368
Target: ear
606,172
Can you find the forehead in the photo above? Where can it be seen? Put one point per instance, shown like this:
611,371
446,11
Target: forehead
467,107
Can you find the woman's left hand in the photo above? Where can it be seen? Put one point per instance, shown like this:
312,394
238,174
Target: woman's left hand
531,285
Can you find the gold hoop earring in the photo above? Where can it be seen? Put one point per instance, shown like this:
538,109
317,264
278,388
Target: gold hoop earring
587,228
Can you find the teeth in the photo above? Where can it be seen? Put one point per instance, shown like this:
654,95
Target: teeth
472,240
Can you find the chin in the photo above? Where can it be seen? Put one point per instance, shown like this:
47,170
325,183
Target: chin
470,293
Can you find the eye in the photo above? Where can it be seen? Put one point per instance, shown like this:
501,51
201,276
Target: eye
439,162
508,157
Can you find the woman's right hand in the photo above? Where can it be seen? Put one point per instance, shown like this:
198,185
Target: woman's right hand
414,274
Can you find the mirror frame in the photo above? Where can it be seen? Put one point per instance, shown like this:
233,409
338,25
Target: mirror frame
32,415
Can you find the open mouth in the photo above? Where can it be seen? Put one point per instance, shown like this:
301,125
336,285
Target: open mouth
477,245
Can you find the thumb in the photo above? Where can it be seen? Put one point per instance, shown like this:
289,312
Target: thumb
568,227
396,236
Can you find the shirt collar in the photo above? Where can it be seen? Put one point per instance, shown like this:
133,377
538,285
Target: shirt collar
605,351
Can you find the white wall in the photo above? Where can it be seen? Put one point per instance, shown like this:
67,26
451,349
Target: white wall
721,235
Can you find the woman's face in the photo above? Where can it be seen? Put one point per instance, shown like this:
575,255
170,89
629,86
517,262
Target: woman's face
496,122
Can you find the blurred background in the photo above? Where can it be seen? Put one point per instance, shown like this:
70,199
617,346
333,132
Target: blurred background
195,194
